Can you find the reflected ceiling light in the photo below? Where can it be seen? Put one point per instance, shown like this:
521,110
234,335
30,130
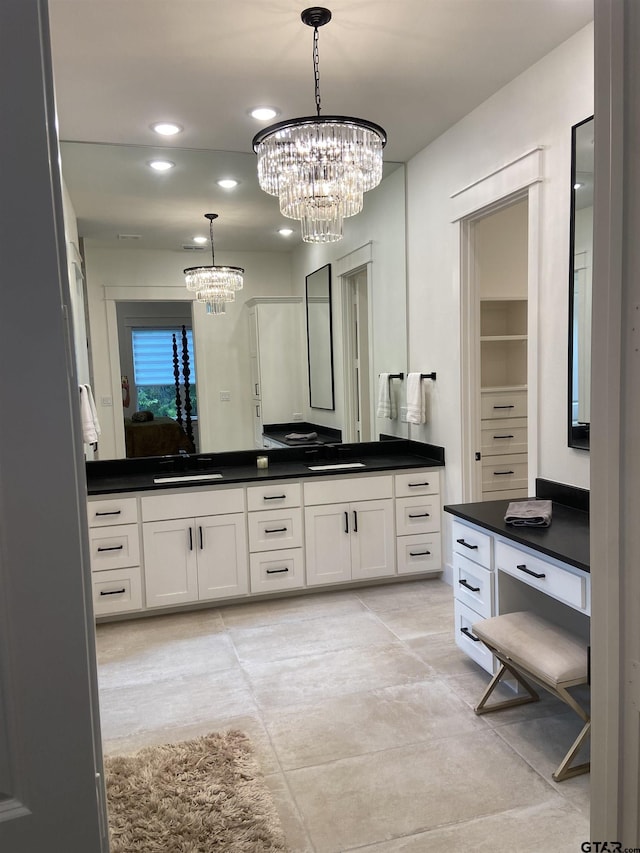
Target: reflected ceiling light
320,166
214,285
286,232
227,183
161,165
166,128
263,113
199,239
577,185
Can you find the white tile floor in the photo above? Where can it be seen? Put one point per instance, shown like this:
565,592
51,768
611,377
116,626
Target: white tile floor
359,705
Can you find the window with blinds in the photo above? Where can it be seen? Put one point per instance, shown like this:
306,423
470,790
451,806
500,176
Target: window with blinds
153,369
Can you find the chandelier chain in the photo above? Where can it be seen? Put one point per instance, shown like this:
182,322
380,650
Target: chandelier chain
213,257
316,69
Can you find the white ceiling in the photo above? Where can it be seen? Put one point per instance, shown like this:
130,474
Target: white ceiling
413,66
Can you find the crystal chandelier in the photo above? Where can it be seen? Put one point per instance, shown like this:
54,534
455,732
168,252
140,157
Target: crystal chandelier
214,285
320,166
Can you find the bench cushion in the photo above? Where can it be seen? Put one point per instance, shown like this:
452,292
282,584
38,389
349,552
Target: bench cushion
543,649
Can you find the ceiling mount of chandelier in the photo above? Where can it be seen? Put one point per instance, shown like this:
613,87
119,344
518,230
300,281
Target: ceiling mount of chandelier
214,285
320,166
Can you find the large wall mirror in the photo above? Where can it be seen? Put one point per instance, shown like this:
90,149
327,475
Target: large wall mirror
580,272
320,338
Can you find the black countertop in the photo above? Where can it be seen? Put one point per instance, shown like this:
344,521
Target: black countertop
134,475
566,539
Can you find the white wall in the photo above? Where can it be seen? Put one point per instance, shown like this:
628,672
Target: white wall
222,343
538,108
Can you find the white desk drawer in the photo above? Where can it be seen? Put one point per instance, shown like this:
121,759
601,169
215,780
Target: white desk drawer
503,404
114,547
418,553
504,436
500,473
417,515
565,584
473,585
274,496
274,570
417,483
117,591
102,513
472,543
275,529
465,638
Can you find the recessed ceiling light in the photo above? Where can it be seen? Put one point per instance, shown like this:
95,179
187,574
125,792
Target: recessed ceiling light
227,183
161,165
577,185
199,239
263,113
286,232
166,128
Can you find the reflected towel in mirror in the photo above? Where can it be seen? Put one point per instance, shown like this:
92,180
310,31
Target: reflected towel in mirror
386,401
416,403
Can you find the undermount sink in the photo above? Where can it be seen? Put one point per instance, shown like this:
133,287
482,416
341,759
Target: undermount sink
336,466
185,478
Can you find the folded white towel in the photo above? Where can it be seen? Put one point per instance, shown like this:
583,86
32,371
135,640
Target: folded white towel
386,400
416,403
90,425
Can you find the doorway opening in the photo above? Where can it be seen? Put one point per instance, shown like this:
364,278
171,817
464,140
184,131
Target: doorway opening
357,357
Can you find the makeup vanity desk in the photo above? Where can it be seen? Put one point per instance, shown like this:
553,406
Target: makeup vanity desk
498,568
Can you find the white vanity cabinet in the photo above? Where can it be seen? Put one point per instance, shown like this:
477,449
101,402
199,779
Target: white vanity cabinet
114,543
349,528
192,557
276,560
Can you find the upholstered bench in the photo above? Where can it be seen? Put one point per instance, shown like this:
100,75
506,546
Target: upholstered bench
530,647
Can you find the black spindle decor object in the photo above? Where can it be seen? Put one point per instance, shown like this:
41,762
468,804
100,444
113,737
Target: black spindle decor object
187,394
176,373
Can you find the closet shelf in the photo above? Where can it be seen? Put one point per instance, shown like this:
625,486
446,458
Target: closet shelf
494,388
485,338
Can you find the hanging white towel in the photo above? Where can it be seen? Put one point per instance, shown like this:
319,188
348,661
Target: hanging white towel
416,403
90,425
386,400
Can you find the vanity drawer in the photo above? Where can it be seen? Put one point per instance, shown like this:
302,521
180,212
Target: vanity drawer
274,570
503,404
192,503
473,585
417,515
348,490
273,496
114,547
465,638
418,553
472,543
417,483
564,583
107,512
500,473
504,436
275,529
117,591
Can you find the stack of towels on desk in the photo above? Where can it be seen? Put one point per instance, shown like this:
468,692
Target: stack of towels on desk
529,513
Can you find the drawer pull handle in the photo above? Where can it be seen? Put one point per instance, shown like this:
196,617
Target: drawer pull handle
111,512
419,515
504,407
112,548
346,522
502,473
275,530
419,553
468,634
504,436
415,485
538,575
466,544
256,387
467,585
276,571
273,497
112,591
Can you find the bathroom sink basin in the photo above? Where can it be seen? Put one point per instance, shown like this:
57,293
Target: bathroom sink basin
336,466
186,478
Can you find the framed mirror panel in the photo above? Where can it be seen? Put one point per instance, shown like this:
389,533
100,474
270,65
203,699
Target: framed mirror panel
320,338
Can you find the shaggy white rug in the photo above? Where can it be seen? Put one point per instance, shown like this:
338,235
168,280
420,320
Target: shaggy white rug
197,796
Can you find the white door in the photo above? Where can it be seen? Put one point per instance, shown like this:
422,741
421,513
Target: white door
328,537
372,539
51,777
170,552
222,556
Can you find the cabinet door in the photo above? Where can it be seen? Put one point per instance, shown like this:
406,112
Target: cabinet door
171,573
222,556
372,539
328,535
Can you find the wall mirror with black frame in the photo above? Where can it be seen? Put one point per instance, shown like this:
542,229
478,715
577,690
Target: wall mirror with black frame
320,338
580,274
